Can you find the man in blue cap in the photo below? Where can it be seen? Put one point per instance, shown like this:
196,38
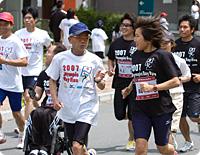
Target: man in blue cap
77,101
99,39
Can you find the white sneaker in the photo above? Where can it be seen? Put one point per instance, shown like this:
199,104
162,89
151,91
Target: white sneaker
21,143
42,152
198,153
34,152
92,152
174,143
130,146
2,137
188,146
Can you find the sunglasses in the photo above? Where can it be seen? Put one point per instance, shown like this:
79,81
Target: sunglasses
79,38
126,25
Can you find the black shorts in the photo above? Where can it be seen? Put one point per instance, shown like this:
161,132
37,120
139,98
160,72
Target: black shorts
191,105
100,54
29,81
122,107
77,131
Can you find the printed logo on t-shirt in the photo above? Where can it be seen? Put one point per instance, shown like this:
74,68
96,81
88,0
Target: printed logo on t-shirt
132,50
85,72
7,52
191,52
149,63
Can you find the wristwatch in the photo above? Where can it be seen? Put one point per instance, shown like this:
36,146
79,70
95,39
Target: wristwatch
179,78
6,62
155,88
98,82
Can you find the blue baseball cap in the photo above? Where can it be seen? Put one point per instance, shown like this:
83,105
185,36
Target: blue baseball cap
78,28
99,23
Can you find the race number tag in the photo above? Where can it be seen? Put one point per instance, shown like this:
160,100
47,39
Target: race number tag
145,95
125,69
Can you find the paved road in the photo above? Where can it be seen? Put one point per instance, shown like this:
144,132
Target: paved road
108,138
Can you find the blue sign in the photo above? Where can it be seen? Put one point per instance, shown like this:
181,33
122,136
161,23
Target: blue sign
145,7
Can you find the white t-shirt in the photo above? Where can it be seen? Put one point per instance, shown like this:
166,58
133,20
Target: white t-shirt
77,90
12,48
98,36
194,14
34,42
65,24
164,22
185,70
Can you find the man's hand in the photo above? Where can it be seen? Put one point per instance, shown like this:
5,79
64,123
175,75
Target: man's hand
2,60
111,71
100,75
31,92
196,77
125,92
57,105
145,87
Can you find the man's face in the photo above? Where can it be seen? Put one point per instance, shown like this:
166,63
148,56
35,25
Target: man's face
184,30
79,42
5,28
49,54
29,21
127,28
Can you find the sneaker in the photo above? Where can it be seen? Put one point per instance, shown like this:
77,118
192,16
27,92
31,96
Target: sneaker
92,152
42,152
175,153
2,138
188,146
21,143
130,146
34,152
198,153
174,143
16,130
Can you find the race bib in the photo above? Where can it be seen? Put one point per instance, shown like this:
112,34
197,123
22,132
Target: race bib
49,101
145,95
125,69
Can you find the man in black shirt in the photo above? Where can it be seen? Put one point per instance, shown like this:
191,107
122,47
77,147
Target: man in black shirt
119,65
55,20
188,48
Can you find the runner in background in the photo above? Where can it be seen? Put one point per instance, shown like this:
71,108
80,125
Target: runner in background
119,65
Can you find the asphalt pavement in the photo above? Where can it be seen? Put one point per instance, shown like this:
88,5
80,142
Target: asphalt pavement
109,137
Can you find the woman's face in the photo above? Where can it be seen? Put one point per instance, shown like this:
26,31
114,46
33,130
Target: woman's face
141,43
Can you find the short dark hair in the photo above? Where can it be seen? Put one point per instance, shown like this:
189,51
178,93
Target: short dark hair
30,9
59,4
59,48
70,13
151,29
190,19
130,17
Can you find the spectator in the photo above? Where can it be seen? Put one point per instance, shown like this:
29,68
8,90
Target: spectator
65,25
195,12
84,4
163,20
13,57
55,20
99,39
116,33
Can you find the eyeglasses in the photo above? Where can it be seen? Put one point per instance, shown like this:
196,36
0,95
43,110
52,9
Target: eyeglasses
126,25
79,38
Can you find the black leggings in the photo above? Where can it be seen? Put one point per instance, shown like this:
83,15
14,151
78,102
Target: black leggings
77,132
122,105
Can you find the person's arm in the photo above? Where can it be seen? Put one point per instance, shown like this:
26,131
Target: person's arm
17,63
105,41
38,93
196,77
174,82
61,36
126,91
111,70
53,90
